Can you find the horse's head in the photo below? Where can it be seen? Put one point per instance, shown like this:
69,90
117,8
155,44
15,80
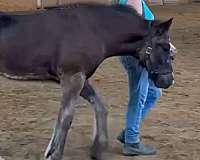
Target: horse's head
157,54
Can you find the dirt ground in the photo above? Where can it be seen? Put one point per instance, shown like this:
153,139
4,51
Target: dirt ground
28,109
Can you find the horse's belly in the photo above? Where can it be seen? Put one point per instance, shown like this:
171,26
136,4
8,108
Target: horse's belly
26,76
25,72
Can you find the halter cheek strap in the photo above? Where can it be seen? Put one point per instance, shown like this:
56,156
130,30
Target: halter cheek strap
144,52
147,59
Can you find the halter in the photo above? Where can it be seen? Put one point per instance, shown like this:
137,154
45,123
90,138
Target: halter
147,60
148,50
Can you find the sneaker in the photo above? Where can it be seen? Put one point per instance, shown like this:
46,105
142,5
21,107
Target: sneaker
121,137
137,149
134,149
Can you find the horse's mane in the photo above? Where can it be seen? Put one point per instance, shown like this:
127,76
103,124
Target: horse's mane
7,19
118,7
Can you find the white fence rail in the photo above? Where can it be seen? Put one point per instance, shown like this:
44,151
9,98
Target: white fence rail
42,3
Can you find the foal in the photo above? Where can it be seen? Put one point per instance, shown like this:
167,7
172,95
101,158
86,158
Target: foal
68,44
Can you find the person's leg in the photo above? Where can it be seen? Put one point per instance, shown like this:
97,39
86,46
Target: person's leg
154,94
138,88
138,91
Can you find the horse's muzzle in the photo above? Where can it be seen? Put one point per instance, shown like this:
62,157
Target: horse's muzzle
164,80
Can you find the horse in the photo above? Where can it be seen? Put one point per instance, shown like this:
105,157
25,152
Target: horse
67,44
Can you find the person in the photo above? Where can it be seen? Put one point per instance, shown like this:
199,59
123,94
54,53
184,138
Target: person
143,95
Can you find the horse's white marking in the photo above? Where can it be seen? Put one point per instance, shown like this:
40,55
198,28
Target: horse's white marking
173,78
173,74
173,49
30,76
14,77
94,129
173,52
1,158
173,82
50,144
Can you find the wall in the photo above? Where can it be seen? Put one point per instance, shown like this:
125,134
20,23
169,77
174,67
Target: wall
55,2
10,5
6,5
161,2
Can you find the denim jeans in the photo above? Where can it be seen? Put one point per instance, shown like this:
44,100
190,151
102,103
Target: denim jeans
143,95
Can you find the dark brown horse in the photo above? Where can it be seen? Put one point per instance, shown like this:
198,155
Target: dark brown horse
68,44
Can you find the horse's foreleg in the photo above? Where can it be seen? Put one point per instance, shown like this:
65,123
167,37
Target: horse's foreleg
100,128
71,86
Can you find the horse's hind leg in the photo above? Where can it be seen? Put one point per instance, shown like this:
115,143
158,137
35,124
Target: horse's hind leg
100,133
71,86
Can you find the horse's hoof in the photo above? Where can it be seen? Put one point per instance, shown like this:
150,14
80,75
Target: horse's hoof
96,154
53,157
49,151
95,157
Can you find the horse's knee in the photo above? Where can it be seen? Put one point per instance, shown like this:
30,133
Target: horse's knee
67,117
100,110
105,111
88,92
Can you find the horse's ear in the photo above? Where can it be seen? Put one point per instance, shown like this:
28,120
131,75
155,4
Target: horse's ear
163,27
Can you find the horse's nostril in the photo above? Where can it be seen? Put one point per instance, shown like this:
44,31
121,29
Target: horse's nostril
165,81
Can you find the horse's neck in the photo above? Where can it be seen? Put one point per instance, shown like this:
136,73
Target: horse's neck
127,36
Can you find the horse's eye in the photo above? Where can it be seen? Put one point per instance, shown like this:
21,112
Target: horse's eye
166,47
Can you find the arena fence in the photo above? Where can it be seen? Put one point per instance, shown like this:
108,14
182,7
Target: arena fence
43,3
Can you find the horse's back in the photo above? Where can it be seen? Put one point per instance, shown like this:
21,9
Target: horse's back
39,42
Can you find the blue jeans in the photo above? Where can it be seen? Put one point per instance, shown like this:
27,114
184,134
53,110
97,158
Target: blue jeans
143,95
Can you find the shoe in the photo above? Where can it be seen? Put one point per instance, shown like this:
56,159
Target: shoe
137,149
134,149
121,137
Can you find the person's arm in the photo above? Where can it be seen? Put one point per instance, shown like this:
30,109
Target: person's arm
137,4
